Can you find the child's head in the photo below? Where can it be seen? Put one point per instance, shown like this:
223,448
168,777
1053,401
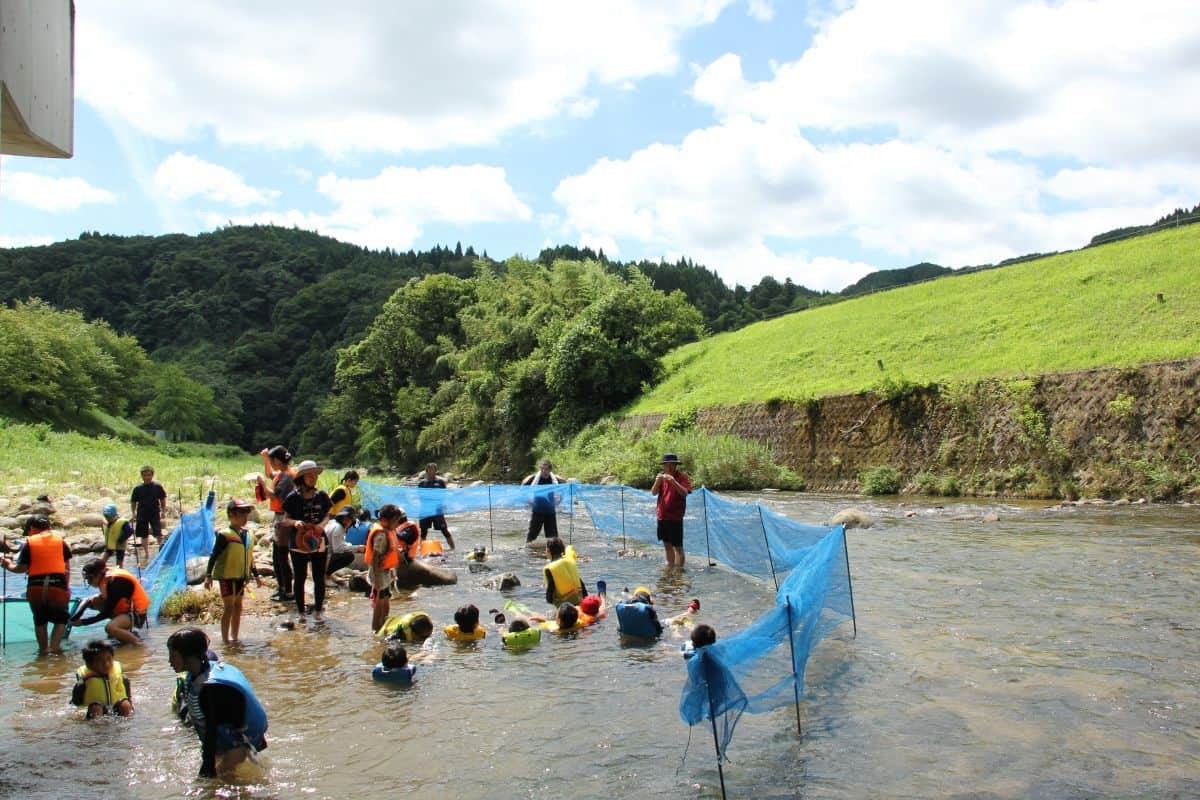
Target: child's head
394,656
703,635
389,512
351,477
567,616
518,624
147,474
554,547
467,618
642,595
422,628
98,655
185,644
238,511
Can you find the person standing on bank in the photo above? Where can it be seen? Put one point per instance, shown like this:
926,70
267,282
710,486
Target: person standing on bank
281,476
46,558
149,503
431,480
543,504
306,510
671,487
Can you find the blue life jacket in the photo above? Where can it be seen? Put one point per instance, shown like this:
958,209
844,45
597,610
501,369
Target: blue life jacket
638,619
400,675
254,727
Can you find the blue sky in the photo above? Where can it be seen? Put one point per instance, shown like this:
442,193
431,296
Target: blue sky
814,141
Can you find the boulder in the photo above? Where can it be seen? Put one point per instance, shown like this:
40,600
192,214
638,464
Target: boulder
503,582
852,518
87,543
196,568
92,520
10,522
991,517
420,573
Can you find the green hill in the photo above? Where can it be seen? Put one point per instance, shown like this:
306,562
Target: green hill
1126,303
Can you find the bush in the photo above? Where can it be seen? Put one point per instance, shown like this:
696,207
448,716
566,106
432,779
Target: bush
880,480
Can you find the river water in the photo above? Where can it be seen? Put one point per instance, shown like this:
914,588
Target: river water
1053,653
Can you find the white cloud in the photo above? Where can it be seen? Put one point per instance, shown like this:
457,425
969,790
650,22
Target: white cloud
182,177
761,10
366,76
1088,79
392,208
51,194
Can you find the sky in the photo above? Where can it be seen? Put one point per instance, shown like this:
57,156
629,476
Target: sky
816,141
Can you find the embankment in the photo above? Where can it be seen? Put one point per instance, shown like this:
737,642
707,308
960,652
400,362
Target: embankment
1130,432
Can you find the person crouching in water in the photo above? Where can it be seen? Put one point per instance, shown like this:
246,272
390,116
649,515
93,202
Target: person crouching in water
100,684
383,556
232,563
222,706
121,600
393,666
563,584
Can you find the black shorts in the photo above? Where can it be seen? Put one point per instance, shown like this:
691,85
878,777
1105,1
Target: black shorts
438,522
49,602
670,531
148,525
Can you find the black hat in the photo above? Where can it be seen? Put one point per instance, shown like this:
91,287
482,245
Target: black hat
670,458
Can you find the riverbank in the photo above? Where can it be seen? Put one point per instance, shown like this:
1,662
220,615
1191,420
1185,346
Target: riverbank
1116,434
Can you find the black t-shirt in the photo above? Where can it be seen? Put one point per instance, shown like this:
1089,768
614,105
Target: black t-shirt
436,482
148,498
312,509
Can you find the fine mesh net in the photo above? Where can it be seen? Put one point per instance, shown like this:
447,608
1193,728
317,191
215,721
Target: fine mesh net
752,671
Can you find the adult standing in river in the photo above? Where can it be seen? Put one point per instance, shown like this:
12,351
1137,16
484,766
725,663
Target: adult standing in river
306,510
46,558
671,487
543,503
279,484
431,480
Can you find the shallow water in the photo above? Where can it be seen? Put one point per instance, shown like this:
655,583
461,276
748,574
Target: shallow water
1054,654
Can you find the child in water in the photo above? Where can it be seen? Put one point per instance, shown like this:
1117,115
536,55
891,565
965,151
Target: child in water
100,684
702,636
466,625
393,666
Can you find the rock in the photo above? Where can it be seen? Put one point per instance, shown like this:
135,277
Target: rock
473,484
609,480
4,501
359,563
87,543
852,518
10,522
991,517
419,573
29,509
196,568
909,514
1141,501
255,517
1124,501
503,582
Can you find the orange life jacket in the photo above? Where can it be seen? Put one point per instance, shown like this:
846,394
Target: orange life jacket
277,501
141,600
391,558
415,549
46,554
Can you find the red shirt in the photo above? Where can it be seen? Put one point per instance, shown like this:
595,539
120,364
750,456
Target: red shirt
672,503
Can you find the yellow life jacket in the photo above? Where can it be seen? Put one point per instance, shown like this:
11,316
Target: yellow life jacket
552,625
345,498
402,624
107,691
235,561
455,633
112,533
568,586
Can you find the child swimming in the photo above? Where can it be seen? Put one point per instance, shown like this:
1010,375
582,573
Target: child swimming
702,636
393,666
466,627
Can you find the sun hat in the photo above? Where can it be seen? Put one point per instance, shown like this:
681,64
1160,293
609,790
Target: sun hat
670,458
590,605
306,467
642,591
109,510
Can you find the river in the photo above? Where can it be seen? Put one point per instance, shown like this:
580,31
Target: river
1052,653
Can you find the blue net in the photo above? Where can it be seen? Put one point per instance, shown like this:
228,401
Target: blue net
754,670
167,572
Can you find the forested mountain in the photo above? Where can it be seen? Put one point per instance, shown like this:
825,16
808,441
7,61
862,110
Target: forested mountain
258,315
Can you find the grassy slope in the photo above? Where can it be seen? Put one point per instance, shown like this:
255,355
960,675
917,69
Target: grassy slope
1095,307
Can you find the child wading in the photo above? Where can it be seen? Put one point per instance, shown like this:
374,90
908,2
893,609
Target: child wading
232,563
100,684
